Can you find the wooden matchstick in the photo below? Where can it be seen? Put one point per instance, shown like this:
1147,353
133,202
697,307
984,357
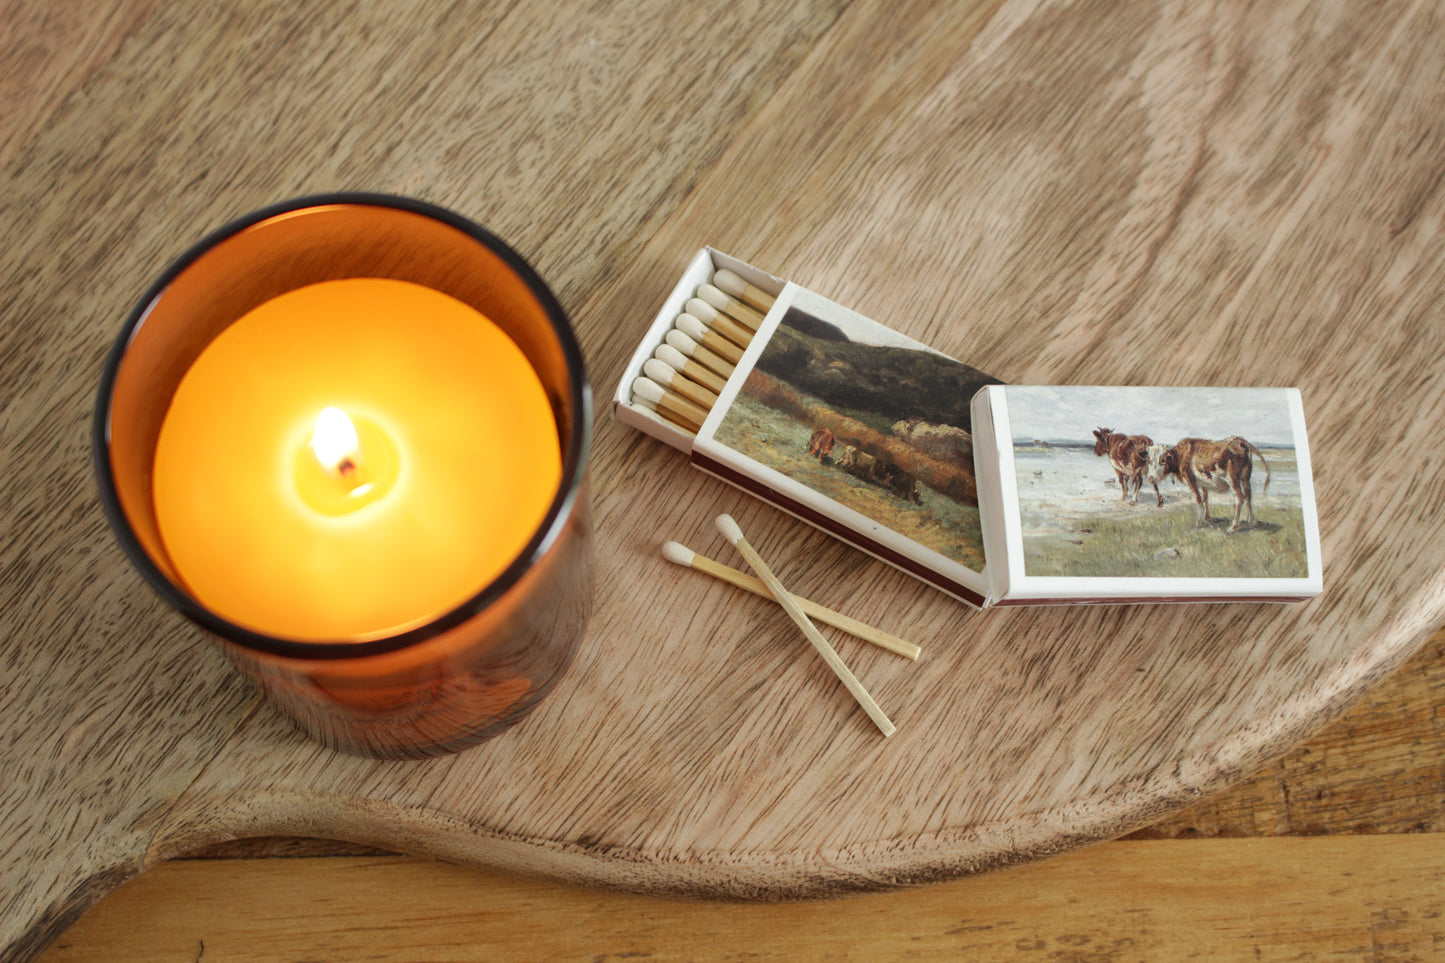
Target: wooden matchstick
709,359
691,427
682,380
738,334
708,338
669,355
649,390
730,283
685,556
730,306
734,534
669,377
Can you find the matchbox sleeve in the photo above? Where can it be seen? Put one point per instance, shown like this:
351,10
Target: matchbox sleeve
1092,495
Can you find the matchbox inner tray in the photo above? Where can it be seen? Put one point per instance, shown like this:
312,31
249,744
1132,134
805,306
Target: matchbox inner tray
829,416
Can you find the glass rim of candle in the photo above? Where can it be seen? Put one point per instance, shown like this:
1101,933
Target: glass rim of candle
575,453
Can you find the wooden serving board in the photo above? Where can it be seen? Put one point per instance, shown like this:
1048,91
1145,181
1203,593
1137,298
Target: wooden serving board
1120,193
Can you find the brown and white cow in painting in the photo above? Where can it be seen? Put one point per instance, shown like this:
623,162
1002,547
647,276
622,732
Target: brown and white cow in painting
1221,466
820,445
1128,456
858,462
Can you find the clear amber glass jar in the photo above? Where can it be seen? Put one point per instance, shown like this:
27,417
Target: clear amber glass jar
468,672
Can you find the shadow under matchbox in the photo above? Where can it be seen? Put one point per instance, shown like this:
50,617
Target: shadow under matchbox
823,413
1135,494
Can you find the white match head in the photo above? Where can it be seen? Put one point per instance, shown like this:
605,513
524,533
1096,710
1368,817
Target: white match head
691,327
729,283
648,390
658,371
701,310
679,341
680,554
670,356
714,297
729,529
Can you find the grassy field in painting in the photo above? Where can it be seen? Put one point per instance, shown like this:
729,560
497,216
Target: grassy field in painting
766,435
1074,523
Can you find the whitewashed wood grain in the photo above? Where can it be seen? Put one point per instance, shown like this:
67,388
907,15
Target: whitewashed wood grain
1126,193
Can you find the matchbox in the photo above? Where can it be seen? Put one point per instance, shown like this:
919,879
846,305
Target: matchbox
823,413
1132,494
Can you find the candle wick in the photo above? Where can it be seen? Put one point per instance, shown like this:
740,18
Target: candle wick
347,466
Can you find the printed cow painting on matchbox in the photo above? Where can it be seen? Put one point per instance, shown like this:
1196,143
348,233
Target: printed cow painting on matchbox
871,420
1158,482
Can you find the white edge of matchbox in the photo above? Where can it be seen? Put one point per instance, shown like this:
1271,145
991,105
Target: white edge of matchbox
699,271
987,411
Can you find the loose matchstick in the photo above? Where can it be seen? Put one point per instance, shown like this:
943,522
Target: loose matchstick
709,339
732,307
669,355
738,334
730,283
686,557
685,345
669,377
734,534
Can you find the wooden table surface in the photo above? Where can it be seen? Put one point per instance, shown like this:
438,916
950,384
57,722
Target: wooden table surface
1221,194
1336,850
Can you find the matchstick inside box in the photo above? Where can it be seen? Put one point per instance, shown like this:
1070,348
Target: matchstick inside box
830,416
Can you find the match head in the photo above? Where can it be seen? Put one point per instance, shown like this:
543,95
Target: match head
691,326
729,282
679,340
680,554
714,297
729,529
658,371
670,356
648,390
700,309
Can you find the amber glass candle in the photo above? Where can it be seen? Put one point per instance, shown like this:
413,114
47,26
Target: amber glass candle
347,436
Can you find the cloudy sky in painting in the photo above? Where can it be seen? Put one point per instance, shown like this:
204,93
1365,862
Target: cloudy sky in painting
1071,413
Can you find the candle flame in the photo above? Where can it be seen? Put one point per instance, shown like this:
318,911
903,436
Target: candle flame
334,442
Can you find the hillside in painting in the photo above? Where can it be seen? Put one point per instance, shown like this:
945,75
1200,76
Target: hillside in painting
892,383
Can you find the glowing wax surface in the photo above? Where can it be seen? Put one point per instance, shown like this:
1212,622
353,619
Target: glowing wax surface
458,462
